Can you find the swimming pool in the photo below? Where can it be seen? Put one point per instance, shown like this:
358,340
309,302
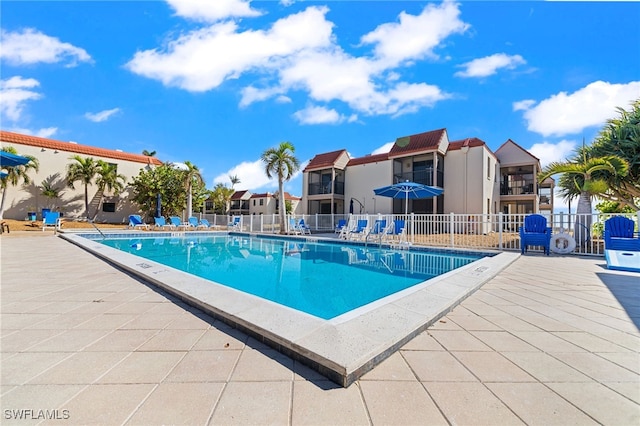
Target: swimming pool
322,279
342,348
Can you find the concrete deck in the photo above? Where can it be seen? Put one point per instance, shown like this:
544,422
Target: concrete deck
550,340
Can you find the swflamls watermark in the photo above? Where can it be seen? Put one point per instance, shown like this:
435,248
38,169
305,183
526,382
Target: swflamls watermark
33,414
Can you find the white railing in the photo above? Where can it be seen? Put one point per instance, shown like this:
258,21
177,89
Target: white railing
469,231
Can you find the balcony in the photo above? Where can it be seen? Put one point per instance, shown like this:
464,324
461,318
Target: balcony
519,187
424,177
326,188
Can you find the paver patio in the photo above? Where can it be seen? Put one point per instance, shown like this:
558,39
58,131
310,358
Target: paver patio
550,340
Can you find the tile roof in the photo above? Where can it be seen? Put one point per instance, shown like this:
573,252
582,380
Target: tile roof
10,137
238,194
421,142
287,196
322,161
368,159
470,142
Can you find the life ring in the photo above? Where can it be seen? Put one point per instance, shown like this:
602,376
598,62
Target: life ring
562,243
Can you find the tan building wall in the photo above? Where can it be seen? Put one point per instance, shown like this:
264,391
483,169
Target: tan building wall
53,158
361,180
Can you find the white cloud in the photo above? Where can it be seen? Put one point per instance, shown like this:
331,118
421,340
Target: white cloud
102,115
45,132
548,152
253,177
14,93
564,113
416,36
383,149
489,65
300,53
321,115
186,62
212,11
31,46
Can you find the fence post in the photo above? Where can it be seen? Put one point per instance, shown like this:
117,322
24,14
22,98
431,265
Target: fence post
500,225
451,226
261,223
316,221
250,223
413,227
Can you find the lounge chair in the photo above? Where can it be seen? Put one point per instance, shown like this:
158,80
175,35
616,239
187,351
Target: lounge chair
304,228
378,228
619,234
341,224
178,223
204,223
51,220
360,230
160,222
535,233
235,224
193,222
294,228
135,221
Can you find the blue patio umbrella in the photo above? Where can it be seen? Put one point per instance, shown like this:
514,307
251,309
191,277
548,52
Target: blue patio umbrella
408,190
8,159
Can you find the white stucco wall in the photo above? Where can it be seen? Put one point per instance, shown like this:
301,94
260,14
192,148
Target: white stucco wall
362,179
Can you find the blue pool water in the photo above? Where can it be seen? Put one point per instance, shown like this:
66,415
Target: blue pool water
321,279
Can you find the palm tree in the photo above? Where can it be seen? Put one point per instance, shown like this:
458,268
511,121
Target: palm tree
234,180
108,179
16,174
282,163
191,175
83,170
584,176
51,191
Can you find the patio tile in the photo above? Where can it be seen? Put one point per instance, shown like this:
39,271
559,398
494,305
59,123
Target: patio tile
255,403
509,322
628,389
204,366
25,339
492,367
598,368
392,368
547,342
19,321
106,322
22,367
35,397
105,404
503,341
150,322
545,368
423,342
193,407
474,322
80,368
189,321
628,360
541,406
459,341
172,340
122,340
470,403
133,307
70,340
143,367
597,401
216,339
399,403
437,367
324,403
589,342
259,365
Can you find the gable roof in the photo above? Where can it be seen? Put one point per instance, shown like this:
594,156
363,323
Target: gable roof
287,196
421,142
322,161
238,195
471,143
368,159
511,142
10,137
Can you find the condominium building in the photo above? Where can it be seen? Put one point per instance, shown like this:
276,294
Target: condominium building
53,158
474,179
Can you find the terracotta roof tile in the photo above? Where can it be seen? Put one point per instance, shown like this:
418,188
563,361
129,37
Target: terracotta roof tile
470,142
10,137
322,161
238,194
421,142
368,159
287,196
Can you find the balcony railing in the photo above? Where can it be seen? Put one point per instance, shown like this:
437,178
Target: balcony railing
517,187
326,188
424,177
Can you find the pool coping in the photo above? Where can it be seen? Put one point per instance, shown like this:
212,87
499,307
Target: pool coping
342,350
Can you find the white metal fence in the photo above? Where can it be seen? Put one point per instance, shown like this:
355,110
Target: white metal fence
471,231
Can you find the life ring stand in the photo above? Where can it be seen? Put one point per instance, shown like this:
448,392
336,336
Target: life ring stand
562,243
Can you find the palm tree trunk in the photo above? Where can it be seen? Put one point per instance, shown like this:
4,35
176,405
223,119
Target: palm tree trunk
282,211
86,201
189,202
582,230
4,193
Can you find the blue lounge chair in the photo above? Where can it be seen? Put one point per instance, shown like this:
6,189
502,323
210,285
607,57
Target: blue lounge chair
235,223
360,229
294,228
619,234
535,233
160,222
177,222
204,223
304,228
193,222
135,221
394,229
341,224
51,220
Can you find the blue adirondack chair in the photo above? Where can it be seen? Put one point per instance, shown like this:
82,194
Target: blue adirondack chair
619,234
535,233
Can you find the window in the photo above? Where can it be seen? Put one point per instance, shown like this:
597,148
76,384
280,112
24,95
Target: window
254,203
262,201
109,207
488,168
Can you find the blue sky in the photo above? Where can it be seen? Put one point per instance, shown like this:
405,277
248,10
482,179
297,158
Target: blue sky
217,83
